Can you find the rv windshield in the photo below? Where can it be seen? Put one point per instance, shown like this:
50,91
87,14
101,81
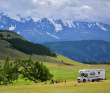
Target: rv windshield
83,75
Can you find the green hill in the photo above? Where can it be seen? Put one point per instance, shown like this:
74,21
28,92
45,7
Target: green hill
85,50
15,45
7,33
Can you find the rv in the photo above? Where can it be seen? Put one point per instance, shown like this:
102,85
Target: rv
91,75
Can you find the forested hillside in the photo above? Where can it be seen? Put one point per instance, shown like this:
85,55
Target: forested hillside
17,46
29,47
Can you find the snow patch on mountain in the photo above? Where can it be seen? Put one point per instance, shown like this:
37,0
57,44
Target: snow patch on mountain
89,25
35,19
58,27
12,27
3,14
52,35
18,32
98,24
1,26
38,32
68,23
77,24
28,18
85,33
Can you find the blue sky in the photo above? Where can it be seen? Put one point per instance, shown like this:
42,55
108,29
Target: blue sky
75,10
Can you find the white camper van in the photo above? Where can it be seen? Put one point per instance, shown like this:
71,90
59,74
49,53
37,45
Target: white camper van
91,75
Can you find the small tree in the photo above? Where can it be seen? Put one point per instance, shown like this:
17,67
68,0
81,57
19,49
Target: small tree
8,35
6,65
10,71
1,35
33,70
42,72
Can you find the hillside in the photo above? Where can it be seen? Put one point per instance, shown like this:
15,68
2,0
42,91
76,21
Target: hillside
15,45
86,50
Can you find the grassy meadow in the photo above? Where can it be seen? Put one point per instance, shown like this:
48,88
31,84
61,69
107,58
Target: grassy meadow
66,70
68,87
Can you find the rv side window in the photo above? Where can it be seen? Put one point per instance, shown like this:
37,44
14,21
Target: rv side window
92,73
98,72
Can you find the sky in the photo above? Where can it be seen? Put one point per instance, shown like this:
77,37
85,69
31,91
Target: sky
74,10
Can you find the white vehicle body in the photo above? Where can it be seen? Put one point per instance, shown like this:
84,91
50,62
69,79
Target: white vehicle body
91,75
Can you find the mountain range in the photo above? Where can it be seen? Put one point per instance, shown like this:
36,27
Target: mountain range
49,30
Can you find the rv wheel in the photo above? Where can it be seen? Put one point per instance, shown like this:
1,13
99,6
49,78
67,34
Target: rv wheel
97,80
84,80
92,80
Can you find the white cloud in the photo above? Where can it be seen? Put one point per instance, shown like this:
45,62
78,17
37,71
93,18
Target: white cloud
92,10
86,7
34,1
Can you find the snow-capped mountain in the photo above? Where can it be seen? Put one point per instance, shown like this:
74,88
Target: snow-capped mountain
48,30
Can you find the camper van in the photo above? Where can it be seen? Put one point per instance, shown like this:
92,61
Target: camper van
91,75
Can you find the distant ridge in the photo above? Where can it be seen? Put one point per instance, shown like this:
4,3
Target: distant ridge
85,50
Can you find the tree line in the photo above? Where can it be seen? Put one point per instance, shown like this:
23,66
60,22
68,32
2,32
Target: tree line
29,47
1,35
95,62
27,68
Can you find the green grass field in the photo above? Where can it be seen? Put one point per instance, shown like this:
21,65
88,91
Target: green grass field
68,87
66,70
